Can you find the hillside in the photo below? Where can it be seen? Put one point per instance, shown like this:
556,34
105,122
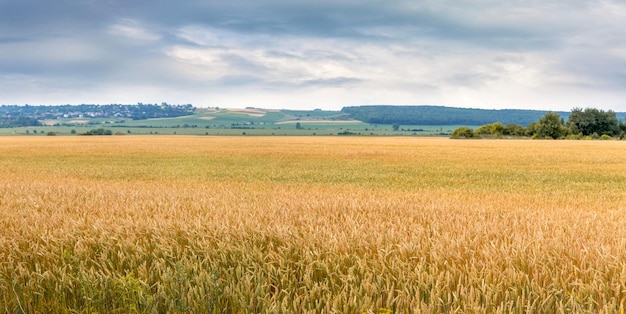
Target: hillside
440,115
185,119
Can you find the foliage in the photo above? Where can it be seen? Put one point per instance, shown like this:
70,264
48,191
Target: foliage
463,132
550,126
146,111
483,129
591,120
512,129
496,130
439,115
20,121
98,132
588,124
347,133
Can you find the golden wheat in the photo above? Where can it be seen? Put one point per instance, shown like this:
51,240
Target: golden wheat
311,224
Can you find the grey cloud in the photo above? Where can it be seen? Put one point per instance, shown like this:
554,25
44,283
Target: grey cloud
342,19
44,18
310,54
281,54
12,40
240,80
311,44
593,69
472,79
335,82
240,63
349,20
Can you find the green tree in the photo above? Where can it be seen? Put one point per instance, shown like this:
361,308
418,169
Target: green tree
463,132
592,120
483,130
549,126
497,129
98,132
513,130
396,127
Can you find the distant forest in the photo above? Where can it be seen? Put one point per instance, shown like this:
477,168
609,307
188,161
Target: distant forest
11,122
440,115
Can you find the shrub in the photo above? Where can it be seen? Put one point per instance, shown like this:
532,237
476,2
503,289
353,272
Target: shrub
98,132
577,136
513,130
483,130
463,132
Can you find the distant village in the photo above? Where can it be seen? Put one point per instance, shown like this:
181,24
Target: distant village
28,115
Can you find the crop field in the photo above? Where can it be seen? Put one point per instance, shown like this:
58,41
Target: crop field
233,122
173,224
308,128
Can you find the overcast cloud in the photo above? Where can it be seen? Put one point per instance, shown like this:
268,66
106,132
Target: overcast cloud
315,54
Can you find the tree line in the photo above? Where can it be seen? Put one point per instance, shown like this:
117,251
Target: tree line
440,115
11,122
581,123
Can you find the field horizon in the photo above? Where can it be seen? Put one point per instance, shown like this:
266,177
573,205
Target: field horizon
311,224
229,122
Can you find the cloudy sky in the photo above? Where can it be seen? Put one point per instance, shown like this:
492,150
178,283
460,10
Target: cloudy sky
315,54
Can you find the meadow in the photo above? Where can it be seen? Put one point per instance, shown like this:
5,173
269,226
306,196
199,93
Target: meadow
155,224
233,122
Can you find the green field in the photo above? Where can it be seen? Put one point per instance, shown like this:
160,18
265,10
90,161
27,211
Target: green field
234,122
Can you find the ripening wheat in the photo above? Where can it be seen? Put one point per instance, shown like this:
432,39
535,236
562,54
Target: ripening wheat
311,224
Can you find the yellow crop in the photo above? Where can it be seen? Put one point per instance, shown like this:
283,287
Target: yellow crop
311,224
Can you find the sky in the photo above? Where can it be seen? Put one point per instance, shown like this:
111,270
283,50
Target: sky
327,54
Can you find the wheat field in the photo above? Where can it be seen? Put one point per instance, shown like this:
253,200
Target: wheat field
311,225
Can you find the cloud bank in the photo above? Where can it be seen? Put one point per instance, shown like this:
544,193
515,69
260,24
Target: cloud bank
315,54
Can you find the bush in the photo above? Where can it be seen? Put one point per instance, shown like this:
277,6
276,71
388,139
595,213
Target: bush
98,132
513,130
577,136
483,130
463,132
